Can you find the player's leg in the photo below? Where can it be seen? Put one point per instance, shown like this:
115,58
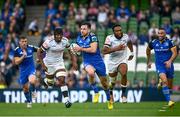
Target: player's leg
91,72
123,71
27,95
32,81
25,85
49,80
60,78
165,89
112,79
101,72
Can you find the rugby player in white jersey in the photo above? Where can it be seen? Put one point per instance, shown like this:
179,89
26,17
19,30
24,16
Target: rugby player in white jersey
116,46
53,63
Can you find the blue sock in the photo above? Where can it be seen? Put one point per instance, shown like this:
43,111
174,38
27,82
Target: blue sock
107,94
31,87
166,93
28,96
94,87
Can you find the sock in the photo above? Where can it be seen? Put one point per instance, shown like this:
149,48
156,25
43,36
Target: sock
64,90
166,93
28,96
94,87
107,94
123,87
112,84
31,87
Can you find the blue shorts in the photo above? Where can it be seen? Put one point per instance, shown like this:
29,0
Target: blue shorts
168,71
24,76
100,68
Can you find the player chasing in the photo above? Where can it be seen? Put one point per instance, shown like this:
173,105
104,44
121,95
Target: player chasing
116,46
93,63
23,57
53,63
165,54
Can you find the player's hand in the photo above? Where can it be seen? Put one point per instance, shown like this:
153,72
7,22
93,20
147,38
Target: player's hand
77,49
121,47
130,57
168,64
149,64
24,53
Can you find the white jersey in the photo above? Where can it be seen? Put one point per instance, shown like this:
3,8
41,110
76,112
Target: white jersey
117,56
54,50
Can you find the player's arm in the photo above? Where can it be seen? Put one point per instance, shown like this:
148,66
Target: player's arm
130,46
108,49
148,54
73,57
40,52
91,49
174,53
18,59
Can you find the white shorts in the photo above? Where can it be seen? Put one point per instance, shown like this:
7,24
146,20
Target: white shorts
53,68
113,67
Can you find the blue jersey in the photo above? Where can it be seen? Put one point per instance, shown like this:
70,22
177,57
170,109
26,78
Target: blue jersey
93,59
162,54
28,63
162,50
85,43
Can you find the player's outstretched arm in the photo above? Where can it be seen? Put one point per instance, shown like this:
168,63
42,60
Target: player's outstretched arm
107,50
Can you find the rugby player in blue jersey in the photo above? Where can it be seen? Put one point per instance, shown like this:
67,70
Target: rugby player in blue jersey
165,54
23,57
92,60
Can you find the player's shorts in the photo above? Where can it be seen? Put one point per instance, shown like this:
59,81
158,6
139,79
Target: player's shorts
24,76
168,71
113,67
55,69
99,67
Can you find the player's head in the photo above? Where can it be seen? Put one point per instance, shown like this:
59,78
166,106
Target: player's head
161,34
117,30
23,42
85,28
58,34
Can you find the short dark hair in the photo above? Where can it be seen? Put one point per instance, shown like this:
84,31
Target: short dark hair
116,25
22,37
86,23
161,29
58,30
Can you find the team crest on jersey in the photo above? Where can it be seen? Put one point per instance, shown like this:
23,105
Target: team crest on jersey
29,51
166,44
157,45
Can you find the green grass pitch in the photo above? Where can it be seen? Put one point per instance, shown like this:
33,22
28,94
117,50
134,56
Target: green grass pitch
90,109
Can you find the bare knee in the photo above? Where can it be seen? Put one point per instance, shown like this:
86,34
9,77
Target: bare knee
60,81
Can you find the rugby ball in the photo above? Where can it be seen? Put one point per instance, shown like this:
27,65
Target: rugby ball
72,49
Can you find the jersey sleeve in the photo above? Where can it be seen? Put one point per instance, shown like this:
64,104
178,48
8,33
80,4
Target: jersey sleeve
45,45
16,54
150,45
67,44
107,42
171,44
34,48
93,38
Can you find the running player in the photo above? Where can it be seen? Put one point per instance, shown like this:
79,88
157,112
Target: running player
165,54
92,60
53,63
23,57
116,46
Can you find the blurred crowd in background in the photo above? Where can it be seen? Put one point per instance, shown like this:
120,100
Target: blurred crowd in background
140,19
